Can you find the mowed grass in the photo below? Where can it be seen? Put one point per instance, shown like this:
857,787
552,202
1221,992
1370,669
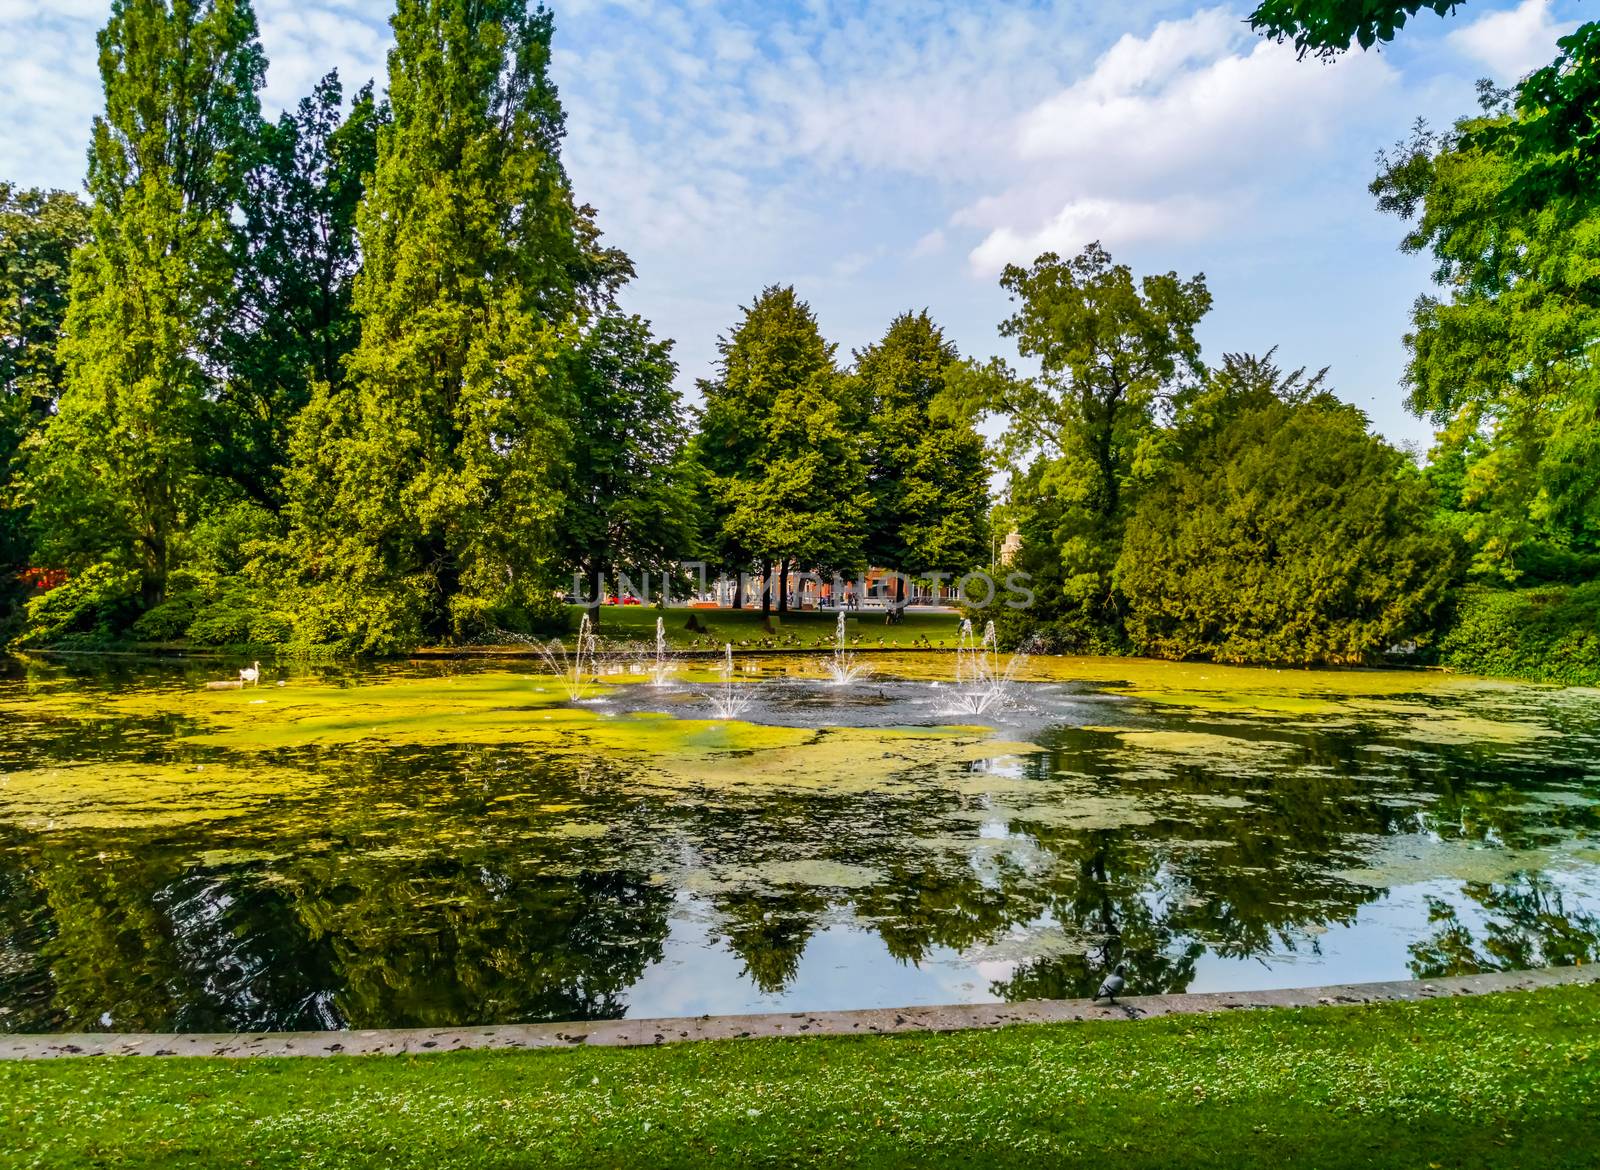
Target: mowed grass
1510,1080
744,629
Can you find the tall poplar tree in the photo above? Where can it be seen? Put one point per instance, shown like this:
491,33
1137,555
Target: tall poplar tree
424,491
119,473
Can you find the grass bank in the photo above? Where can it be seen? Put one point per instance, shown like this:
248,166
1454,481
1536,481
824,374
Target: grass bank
1506,1080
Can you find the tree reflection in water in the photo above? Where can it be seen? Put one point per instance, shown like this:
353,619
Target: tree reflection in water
1526,922
444,885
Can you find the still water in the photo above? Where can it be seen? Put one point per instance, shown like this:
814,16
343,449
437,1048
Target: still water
445,844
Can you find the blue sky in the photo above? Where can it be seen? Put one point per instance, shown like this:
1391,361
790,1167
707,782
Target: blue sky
883,155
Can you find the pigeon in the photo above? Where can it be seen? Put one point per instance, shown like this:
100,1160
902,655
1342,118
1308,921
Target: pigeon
1113,985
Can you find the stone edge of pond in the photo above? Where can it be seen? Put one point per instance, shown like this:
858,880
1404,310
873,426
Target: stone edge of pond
864,1022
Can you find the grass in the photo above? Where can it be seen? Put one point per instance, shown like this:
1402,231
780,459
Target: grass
1507,1080
743,627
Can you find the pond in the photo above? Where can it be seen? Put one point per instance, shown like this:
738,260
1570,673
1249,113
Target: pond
458,843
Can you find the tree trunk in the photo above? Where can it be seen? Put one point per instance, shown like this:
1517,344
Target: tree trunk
783,586
597,577
738,589
766,592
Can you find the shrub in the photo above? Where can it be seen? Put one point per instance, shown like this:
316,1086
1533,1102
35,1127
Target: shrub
1549,634
91,608
1286,535
169,620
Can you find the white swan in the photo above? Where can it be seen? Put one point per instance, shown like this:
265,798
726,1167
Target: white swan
251,673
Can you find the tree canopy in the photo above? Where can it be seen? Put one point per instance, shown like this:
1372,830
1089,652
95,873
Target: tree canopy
927,471
120,473
426,487
290,323
780,441
1113,354
1502,359
1326,27
626,500
1279,530
39,231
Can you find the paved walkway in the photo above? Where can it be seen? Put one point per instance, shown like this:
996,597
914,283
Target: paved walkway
874,1021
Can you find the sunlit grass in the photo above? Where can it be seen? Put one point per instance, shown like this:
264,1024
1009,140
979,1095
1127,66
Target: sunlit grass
1506,1080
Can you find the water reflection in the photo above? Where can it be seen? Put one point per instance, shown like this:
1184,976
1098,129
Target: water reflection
437,883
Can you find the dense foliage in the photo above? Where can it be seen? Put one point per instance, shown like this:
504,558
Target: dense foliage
628,500
120,472
426,482
1114,353
926,469
1502,361
358,378
780,448
1280,531
39,230
1550,632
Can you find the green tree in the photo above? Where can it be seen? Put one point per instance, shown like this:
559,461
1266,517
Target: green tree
119,473
1326,27
927,479
290,322
1503,361
778,441
627,502
39,231
425,489
1280,531
1113,353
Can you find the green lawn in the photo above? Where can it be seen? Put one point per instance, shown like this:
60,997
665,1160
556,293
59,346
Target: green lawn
1503,1080
743,627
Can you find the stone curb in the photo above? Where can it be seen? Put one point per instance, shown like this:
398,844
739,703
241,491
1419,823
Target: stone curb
868,1022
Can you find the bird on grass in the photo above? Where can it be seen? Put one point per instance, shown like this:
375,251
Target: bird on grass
1113,984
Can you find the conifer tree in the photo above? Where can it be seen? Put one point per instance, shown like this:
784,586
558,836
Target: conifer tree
118,475
779,440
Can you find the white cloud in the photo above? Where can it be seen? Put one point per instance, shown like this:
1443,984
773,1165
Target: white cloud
304,41
1167,137
1112,221
1514,42
930,244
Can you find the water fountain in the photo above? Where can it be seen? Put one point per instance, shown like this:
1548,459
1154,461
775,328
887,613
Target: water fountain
731,701
665,666
578,670
844,669
982,684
